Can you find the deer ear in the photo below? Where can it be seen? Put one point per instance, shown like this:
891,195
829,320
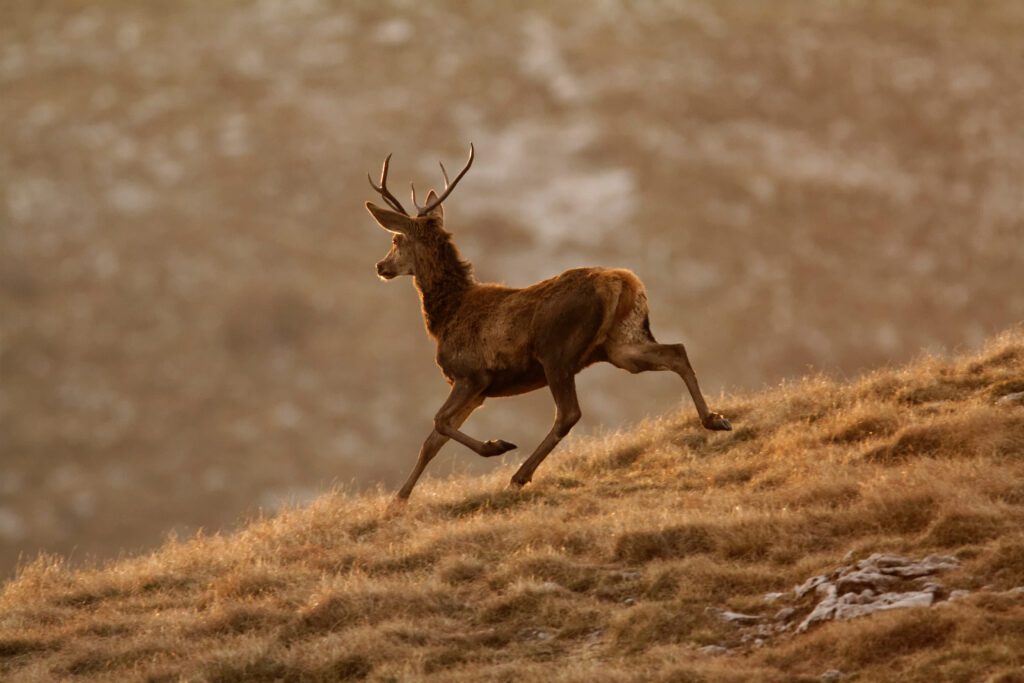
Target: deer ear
438,210
390,220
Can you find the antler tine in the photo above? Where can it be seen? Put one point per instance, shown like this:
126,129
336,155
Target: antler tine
413,187
382,189
448,187
419,208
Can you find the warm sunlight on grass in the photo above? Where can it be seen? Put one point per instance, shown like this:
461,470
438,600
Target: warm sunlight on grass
603,569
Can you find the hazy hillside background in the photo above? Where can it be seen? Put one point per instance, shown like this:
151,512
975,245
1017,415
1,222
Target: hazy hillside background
190,324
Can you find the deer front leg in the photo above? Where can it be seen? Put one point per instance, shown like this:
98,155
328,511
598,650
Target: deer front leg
430,448
463,394
567,414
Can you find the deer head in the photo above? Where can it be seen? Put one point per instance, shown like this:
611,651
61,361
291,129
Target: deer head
411,235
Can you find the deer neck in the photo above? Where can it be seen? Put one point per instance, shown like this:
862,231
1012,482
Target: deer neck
442,279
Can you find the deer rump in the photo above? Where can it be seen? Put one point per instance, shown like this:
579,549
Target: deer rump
563,324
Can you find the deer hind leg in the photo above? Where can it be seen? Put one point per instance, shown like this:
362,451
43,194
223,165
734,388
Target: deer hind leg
645,356
567,414
463,394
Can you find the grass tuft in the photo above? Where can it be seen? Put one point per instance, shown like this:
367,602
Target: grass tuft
672,542
895,635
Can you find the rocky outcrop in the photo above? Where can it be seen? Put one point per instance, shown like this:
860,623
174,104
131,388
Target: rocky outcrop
878,583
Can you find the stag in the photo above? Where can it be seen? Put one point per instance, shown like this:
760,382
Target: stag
494,340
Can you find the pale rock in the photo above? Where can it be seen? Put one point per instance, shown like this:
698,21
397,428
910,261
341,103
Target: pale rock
864,578
852,605
809,585
732,617
850,609
1015,397
925,567
535,634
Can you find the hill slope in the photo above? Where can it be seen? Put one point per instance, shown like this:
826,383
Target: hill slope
614,565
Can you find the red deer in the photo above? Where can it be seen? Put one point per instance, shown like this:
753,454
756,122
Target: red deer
494,340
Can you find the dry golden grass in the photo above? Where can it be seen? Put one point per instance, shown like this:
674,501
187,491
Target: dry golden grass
603,568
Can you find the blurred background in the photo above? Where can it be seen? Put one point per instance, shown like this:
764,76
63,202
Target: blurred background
191,329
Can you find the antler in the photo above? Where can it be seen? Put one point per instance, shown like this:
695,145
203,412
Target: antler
382,189
448,187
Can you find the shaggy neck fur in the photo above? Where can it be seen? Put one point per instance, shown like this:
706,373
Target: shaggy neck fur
442,278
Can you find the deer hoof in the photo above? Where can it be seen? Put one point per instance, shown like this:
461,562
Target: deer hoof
515,484
396,506
716,422
492,448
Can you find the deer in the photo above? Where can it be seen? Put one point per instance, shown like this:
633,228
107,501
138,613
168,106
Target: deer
495,341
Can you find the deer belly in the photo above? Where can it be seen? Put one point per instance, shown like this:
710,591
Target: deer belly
513,381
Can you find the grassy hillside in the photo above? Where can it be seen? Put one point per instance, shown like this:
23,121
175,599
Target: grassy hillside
605,568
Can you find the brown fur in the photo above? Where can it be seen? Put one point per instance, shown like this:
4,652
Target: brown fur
494,340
